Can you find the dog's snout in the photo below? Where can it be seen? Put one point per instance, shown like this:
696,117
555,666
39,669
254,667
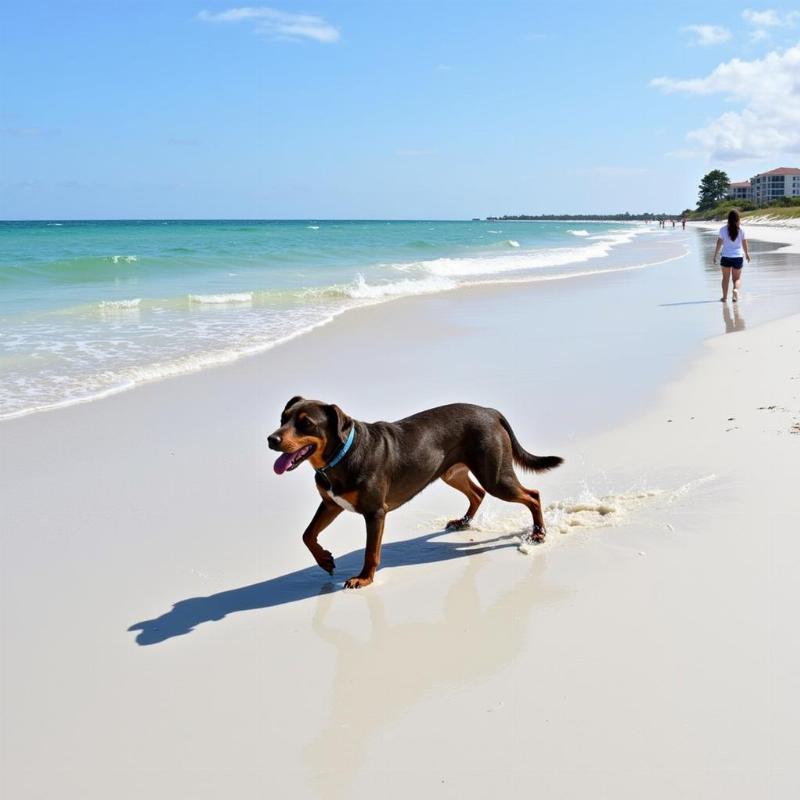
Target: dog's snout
274,441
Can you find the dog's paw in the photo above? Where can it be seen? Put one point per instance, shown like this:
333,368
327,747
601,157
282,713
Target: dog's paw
357,582
325,560
457,524
538,534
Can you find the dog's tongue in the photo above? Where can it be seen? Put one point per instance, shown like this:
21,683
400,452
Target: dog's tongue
284,460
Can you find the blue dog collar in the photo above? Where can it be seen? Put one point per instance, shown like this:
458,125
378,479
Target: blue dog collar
351,437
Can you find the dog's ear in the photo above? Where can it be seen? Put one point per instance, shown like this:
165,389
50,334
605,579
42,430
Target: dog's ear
338,421
294,400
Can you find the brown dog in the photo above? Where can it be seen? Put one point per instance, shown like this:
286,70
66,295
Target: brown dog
373,468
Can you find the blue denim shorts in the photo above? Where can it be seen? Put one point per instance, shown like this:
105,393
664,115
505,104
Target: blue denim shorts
728,261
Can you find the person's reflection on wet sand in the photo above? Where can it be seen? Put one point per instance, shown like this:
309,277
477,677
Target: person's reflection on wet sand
734,321
377,680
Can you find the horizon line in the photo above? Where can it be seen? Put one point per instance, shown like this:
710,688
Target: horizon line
492,217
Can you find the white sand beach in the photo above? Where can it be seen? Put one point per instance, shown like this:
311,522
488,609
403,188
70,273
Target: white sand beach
166,634
785,231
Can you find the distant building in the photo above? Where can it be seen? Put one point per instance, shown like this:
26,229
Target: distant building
768,186
741,190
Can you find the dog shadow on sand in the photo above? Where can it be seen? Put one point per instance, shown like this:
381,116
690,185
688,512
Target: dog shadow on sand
306,583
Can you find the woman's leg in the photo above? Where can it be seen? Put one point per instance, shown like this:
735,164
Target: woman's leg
726,279
737,283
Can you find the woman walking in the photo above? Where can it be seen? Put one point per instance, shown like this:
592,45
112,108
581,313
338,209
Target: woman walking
734,251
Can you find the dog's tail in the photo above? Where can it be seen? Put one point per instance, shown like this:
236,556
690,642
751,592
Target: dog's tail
525,459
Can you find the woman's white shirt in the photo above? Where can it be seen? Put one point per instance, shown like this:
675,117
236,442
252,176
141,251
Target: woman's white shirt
732,249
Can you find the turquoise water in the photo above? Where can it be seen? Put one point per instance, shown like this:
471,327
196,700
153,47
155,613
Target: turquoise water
89,308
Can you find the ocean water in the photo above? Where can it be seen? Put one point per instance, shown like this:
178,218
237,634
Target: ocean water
92,308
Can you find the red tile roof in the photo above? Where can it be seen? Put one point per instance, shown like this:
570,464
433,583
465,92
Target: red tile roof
740,184
781,171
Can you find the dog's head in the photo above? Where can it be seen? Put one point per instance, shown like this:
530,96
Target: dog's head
310,430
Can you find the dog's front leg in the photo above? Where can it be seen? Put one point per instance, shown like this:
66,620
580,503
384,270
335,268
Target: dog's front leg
372,554
326,513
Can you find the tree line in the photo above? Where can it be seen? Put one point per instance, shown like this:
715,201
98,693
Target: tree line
624,217
713,196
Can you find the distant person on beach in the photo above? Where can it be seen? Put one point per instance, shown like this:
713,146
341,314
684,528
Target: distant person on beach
683,223
734,250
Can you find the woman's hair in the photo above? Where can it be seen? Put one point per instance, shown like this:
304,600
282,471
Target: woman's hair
733,224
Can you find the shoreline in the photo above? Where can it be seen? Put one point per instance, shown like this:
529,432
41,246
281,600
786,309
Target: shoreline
216,360
199,363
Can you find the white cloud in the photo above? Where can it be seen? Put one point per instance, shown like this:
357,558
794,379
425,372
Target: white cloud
708,34
770,18
276,24
762,19
767,91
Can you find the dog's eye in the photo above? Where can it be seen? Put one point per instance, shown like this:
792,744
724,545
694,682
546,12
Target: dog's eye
305,424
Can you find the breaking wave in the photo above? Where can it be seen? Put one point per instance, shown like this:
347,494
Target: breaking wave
361,290
518,262
221,299
114,305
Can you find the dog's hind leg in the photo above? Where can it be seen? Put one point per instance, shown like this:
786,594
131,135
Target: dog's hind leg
539,530
495,471
512,491
458,477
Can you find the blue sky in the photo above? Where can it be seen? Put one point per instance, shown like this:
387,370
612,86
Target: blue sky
387,109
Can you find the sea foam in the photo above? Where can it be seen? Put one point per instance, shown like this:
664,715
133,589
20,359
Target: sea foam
361,290
116,305
587,511
221,299
519,262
